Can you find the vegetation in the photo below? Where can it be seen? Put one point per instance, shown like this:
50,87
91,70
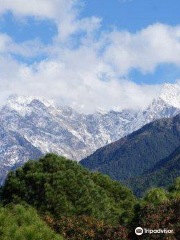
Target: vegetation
162,175
79,205
23,223
84,227
155,196
60,187
163,216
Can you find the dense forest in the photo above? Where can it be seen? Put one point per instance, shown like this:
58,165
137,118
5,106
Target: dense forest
56,198
162,174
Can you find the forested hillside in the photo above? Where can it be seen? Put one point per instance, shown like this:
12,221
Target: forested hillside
137,153
162,174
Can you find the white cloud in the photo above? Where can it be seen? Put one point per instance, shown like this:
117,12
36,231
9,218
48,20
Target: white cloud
27,49
52,9
4,42
82,90
93,75
144,50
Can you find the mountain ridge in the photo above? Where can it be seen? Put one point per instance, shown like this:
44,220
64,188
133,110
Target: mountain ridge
64,131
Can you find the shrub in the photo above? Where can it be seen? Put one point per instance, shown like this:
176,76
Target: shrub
163,216
86,228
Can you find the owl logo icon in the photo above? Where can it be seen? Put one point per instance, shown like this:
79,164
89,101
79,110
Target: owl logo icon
138,231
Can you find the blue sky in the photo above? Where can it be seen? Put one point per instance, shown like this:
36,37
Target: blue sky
134,14
115,46
22,30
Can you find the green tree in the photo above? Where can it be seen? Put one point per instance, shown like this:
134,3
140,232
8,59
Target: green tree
174,190
18,222
60,187
155,196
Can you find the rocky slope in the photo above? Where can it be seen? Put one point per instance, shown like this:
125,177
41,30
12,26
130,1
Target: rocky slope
14,151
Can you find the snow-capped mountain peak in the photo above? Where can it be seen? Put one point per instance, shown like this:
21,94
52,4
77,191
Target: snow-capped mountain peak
170,93
22,103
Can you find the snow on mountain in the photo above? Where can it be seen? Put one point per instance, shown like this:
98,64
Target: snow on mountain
35,126
62,130
14,151
166,105
170,94
21,104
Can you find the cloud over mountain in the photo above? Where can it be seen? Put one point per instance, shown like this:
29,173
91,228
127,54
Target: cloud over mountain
85,66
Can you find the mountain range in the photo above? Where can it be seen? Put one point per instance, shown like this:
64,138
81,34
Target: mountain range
32,126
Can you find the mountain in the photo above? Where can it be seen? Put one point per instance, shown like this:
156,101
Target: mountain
139,152
47,127
162,174
166,105
61,129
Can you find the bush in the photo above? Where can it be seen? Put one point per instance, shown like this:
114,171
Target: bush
86,228
163,216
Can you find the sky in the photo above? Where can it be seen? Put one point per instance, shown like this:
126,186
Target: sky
89,54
